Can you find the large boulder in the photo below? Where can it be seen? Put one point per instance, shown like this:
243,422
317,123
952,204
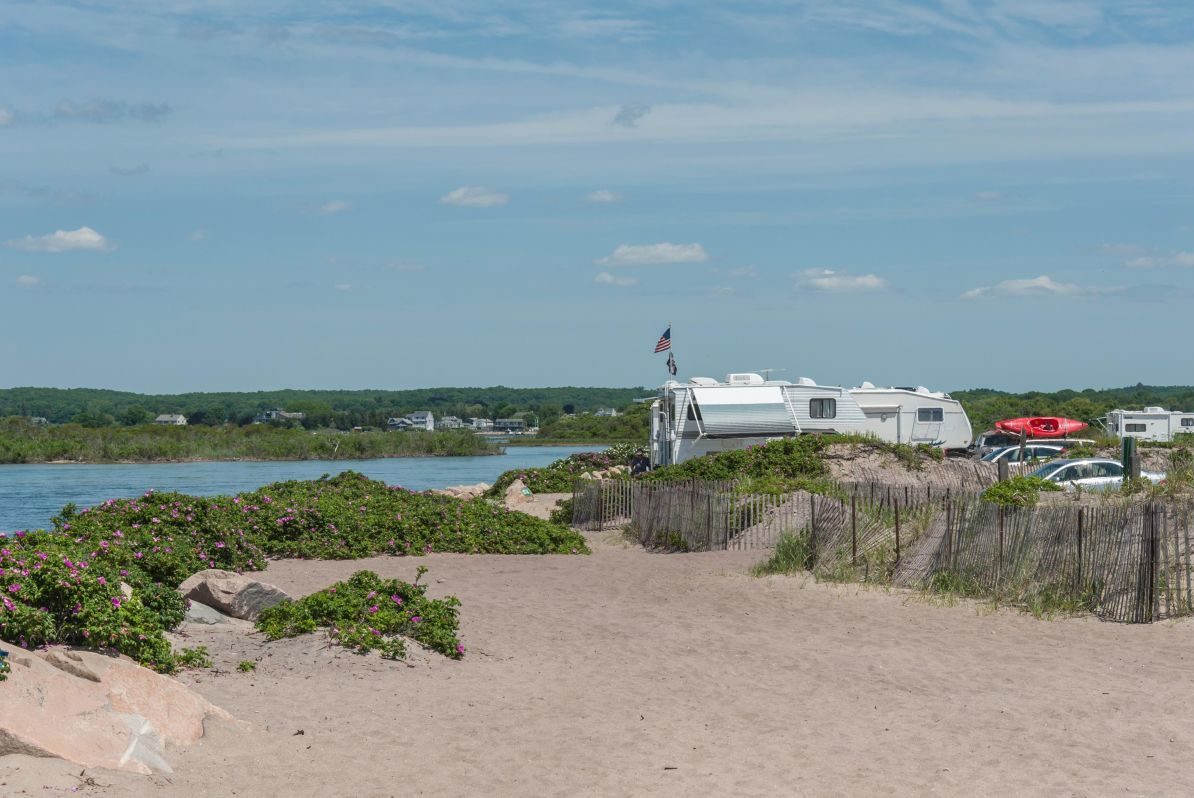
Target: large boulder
96,710
231,593
517,493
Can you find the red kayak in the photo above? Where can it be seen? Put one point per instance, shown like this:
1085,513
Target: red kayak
1042,426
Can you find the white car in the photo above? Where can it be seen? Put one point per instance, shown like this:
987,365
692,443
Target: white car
1033,451
1090,473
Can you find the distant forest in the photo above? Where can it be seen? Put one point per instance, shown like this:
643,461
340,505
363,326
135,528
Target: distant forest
986,406
92,407
542,406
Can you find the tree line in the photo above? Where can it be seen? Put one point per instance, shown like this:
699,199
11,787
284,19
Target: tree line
92,408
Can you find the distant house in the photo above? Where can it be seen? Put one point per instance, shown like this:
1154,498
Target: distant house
449,422
609,412
399,424
480,424
277,415
171,420
509,425
39,421
422,419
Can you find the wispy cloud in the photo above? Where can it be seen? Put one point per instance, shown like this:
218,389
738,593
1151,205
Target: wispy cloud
1161,261
1037,286
343,286
106,111
475,197
604,196
6,116
721,291
197,235
1122,250
334,206
834,282
988,196
645,254
605,278
130,171
629,115
405,266
63,241
743,272
28,281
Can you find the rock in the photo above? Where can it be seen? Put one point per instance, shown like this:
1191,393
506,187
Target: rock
201,613
97,710
232,594
515,493
126,590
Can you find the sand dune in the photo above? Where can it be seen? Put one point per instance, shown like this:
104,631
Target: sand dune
628,673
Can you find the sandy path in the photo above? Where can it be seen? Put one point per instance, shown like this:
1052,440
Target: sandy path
627,673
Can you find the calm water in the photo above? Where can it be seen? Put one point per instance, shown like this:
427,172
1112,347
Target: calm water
30,494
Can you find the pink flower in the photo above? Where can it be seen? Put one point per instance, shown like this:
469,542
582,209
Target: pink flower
116,602
15,587
459,648
416,619
396,599
102,581
373,609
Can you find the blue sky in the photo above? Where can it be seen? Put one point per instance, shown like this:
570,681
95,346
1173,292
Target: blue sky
241,196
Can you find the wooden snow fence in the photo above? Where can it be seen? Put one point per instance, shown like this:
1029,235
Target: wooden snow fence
1126,562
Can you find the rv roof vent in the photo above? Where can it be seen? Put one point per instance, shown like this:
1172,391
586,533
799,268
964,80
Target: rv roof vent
1154,410
702,381
744,379
866,385
805,381
922,389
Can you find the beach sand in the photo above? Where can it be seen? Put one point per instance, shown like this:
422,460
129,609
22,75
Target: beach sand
631,673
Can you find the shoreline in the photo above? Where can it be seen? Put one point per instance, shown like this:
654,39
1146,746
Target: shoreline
173,461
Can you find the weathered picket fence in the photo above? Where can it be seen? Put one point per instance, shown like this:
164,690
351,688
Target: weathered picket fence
1123,561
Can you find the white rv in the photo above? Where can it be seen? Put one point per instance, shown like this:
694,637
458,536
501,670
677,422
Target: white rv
704,415
1149,424
913,416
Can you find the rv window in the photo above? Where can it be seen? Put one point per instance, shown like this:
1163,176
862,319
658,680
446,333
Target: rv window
822,408
1188,422
930,414
1135,427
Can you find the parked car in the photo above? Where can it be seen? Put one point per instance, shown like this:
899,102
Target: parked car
1090,473
1032,451
988,442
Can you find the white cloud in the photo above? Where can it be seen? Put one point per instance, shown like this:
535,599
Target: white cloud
5,116
28,281
63,241
1159,261
1122,250
475,197
605,278
334,206
743,273
643,254
839,282
1036,286
988,196
343,286
721,291
197,235
604,196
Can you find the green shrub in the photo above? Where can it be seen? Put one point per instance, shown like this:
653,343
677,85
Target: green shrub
560,475
368,613
793,554
1022,491
782,462
561,514
196,657
246,666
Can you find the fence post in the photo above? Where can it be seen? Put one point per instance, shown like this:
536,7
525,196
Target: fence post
1003,471
1154,599
1081,521
853,533
812,526
999,552
896,507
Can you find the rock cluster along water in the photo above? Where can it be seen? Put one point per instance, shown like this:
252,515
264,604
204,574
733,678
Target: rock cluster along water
97,710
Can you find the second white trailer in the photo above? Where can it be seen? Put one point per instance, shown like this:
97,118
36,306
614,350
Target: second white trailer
913,416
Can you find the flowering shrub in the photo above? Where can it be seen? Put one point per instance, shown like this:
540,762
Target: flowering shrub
64,585
559,476
368,613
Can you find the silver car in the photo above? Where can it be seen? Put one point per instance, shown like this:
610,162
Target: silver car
1091,473
1032,451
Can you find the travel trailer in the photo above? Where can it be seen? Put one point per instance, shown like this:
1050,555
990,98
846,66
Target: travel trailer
1149,424
704,416
913,416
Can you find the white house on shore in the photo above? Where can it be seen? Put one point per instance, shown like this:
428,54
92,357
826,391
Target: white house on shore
171,420
449,422
422,419
480,424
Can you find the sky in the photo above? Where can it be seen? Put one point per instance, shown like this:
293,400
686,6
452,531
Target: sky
406,193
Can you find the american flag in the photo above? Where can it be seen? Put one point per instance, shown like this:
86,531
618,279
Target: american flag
665,341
